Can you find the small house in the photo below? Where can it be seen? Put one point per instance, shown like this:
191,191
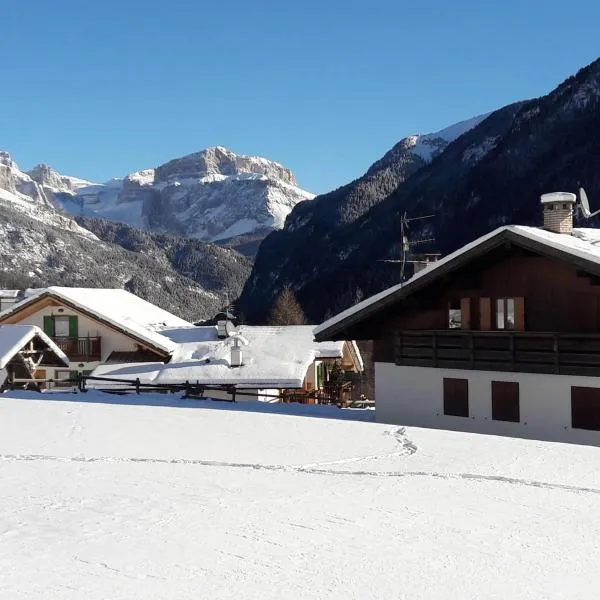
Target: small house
95,326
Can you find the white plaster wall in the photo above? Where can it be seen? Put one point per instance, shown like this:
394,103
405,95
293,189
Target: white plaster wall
111,340
222,395
414,396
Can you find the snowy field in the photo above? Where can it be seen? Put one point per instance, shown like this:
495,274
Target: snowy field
201,500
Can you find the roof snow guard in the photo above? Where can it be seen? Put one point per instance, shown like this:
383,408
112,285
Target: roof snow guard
581,249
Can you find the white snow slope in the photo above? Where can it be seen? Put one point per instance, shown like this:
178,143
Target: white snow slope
123,501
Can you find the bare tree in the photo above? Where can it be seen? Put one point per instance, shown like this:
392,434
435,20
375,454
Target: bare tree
286,310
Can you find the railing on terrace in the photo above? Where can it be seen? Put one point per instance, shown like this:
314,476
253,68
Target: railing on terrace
80,348
522,351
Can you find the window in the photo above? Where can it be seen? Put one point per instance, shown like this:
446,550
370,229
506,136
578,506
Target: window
456,397
61,326
505,313
585,408
505,401
510,313
454,315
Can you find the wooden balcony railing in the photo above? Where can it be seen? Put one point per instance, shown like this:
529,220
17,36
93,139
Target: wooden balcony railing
522,351
82,349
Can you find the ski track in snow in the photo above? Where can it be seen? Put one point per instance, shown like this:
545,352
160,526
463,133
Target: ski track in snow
407,449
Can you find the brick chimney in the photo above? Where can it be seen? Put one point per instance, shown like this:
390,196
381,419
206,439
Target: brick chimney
558,211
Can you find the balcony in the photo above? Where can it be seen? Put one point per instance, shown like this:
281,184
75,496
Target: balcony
520,351
83,349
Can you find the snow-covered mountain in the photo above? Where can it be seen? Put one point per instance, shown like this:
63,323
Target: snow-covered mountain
423,148
210,195
33,196
41,246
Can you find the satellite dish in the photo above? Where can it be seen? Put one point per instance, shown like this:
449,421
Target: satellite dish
585,205
229,328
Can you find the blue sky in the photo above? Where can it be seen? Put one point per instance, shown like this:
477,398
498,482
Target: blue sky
99,89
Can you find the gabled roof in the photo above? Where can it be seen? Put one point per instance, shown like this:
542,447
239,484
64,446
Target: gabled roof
116,307
581,249
275,357
14,337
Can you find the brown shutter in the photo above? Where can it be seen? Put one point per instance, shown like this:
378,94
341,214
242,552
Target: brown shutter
485,314
456,397
505,401
465,313
520,314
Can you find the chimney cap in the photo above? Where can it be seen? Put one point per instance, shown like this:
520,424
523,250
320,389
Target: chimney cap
558,197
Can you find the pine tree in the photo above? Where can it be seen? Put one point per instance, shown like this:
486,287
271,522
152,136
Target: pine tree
286,310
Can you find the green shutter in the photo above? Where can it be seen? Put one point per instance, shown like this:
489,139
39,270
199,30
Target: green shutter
320,373
73,327
73,374
48,326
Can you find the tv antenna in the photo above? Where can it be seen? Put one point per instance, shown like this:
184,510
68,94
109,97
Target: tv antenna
406,244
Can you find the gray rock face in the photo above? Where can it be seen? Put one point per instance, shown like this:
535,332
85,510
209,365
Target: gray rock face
220,161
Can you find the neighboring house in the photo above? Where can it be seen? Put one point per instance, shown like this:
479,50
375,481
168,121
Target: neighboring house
263,362
8,298
500,337
26,353
93,326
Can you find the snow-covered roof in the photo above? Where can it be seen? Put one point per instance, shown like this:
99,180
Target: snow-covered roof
9,293
14,337
274,357
582,245
118,308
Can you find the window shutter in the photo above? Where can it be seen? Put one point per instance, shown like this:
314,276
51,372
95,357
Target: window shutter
49,326
73,374
520,314
505,401
485,314
73,327
456,397
465,313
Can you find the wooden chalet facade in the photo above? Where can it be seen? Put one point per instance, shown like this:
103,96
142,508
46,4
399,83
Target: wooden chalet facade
501,337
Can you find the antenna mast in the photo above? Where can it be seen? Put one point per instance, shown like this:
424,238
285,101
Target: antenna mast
405,243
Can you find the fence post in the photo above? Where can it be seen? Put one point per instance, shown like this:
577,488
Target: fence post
137,386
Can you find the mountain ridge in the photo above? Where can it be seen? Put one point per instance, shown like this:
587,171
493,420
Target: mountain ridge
211,195
331,253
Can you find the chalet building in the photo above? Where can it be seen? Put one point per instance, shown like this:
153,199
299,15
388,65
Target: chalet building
26,352
94,326
257,363
499,337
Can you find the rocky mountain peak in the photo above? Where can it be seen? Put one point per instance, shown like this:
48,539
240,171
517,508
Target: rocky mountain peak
6,159
218,162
